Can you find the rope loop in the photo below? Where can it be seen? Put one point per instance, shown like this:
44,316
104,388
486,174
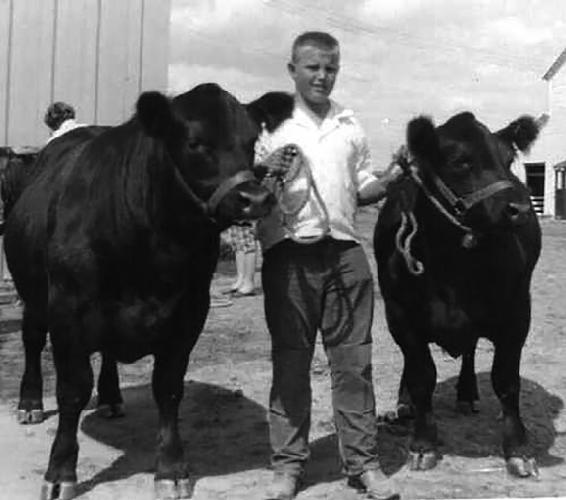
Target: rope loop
286,165
403,242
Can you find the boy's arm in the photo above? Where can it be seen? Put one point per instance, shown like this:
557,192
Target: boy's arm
375,190
371,188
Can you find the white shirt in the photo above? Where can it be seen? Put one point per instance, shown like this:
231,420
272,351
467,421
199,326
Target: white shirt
337,153
65,127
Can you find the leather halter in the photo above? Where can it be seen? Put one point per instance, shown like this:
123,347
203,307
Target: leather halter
209,207
461,204
458,206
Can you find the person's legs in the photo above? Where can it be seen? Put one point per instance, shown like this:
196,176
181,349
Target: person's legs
239,258
292,310
247,278
244,243
346,330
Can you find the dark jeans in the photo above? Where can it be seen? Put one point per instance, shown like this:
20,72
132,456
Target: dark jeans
327,287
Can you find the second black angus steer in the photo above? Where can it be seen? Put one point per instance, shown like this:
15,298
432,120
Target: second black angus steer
456,243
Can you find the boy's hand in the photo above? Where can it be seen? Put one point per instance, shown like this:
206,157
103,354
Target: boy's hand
278,163
402,159
400,165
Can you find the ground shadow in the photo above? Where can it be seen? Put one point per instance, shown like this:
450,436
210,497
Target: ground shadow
479,434
223,432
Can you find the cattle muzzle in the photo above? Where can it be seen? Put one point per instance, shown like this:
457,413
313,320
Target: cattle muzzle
256,203
454,207
519,213
209,207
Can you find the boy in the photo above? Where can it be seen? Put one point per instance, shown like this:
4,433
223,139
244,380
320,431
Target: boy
316,277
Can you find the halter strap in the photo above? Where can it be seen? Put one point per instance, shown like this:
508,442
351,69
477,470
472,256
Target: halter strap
209,207
462,203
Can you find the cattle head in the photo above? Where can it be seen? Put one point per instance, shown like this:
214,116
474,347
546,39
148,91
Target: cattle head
210,137
467,170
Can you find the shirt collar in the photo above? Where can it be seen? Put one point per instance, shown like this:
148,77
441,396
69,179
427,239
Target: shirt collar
304,116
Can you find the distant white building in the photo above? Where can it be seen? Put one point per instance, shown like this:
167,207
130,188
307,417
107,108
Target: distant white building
550,149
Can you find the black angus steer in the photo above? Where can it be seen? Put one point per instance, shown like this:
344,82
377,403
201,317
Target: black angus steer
113,243
456,243
19,172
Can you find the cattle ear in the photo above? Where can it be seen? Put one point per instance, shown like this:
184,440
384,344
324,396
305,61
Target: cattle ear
521,132
422,139
271,109
156,116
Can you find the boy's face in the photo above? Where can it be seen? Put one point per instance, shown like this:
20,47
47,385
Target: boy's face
314,71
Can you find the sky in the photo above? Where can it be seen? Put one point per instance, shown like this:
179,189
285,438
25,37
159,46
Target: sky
399,58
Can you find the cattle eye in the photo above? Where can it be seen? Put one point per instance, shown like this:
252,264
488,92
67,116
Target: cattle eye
193,144
461,165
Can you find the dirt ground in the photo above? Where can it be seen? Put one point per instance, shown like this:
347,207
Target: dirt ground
223,415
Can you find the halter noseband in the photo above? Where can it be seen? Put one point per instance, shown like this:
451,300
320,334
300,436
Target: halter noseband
209,207
458,205
461,204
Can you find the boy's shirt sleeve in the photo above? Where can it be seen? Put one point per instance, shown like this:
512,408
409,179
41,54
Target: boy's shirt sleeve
363,167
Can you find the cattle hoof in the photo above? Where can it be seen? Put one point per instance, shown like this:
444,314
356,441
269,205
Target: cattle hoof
30,416
423,460
405,412
110,410
389,417
168,489
522,467
185,488
467,407
400,416
58,491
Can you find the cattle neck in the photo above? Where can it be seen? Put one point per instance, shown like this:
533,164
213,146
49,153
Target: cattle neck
458,206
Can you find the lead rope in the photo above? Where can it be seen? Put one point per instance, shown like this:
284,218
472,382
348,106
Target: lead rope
293,162
403,244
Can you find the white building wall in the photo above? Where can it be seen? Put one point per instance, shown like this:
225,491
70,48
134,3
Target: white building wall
550,148
97,55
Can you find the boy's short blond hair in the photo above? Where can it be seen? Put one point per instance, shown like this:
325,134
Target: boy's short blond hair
316,38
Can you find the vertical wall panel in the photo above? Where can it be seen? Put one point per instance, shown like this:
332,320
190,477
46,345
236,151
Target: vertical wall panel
75,56
155,40
5,21
119,59
98,55
31,70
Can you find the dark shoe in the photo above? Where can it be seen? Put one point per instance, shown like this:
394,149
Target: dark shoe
283,487
375,484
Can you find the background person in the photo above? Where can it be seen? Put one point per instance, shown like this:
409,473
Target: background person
60,118
325,285
243,241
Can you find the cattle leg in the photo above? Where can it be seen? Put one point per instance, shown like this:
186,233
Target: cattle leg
34,336
405,410
172,472
420,377
506,381
74,387
467,387
405,407
110,402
